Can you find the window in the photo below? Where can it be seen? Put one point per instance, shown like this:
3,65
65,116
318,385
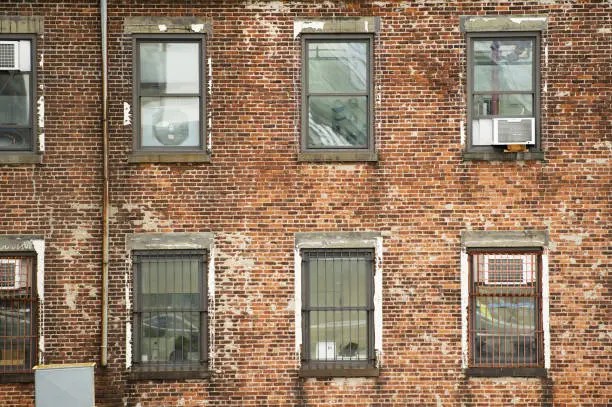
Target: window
17,91
169,93
505,309
503,91
18,310
337,308
337,96
170,311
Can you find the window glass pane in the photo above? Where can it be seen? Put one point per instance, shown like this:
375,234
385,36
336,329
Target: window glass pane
503,65
16,336
14,99
170,121
338,335
170,304
337,67
335,121
168,68
338,282
508,105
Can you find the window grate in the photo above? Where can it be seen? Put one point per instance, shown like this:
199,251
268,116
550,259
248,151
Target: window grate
18,305
7,54
170,310
338,307
505,309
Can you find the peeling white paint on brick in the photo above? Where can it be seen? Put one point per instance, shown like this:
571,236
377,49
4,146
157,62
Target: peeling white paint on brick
197,27
520,20
39,248
266,5
71,292
378,318
210,86
299,26
41,112
545,308
41,142
127,114
465,295
163,27
462,132
211,307
574,237
42,60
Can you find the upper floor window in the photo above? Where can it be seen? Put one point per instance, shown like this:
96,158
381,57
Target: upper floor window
18,313
170,311
505,309
169,93
503,91
337,96
17,91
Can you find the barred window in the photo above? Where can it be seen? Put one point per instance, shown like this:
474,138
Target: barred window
18,310
170,310
505,309
338,307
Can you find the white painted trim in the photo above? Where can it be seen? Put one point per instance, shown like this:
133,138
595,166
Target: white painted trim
39,248
545,308
465,298
211,308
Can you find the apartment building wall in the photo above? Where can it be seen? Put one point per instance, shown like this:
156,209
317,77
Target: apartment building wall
255,196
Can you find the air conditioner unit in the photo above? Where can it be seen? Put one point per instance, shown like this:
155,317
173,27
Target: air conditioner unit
10,274
519,130
9,55
507,270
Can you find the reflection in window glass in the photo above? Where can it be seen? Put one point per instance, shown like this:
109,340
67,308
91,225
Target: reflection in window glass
170,94
337,95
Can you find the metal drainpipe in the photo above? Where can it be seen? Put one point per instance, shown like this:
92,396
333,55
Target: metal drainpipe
105,204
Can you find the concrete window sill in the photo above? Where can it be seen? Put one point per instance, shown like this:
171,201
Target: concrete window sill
339,372
506,372
501,156
177,157
337,156
20,158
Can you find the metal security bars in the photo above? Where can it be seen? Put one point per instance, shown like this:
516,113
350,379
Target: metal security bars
170,310
338,308
18,310
505,309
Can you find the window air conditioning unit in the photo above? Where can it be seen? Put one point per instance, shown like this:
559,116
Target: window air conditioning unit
9,55
520,130
507,270
10,274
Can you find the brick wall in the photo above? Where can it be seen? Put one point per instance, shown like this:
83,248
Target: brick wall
255,196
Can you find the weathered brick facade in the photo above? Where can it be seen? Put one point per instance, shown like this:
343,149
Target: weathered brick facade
255,196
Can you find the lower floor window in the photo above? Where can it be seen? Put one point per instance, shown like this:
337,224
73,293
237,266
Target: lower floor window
170,310
505,309
18,306
338,308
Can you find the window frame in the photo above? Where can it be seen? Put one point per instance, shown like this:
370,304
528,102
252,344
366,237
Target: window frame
317,367
342,153
177,369
497,151
159,152
511,368
32,298
33,147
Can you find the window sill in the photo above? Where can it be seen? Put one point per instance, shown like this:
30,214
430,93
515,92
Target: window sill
171,157
501,156
506,372
339,372
347,156
136,375
16,377
20,158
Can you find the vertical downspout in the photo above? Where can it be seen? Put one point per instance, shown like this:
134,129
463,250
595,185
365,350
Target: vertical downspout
105,204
